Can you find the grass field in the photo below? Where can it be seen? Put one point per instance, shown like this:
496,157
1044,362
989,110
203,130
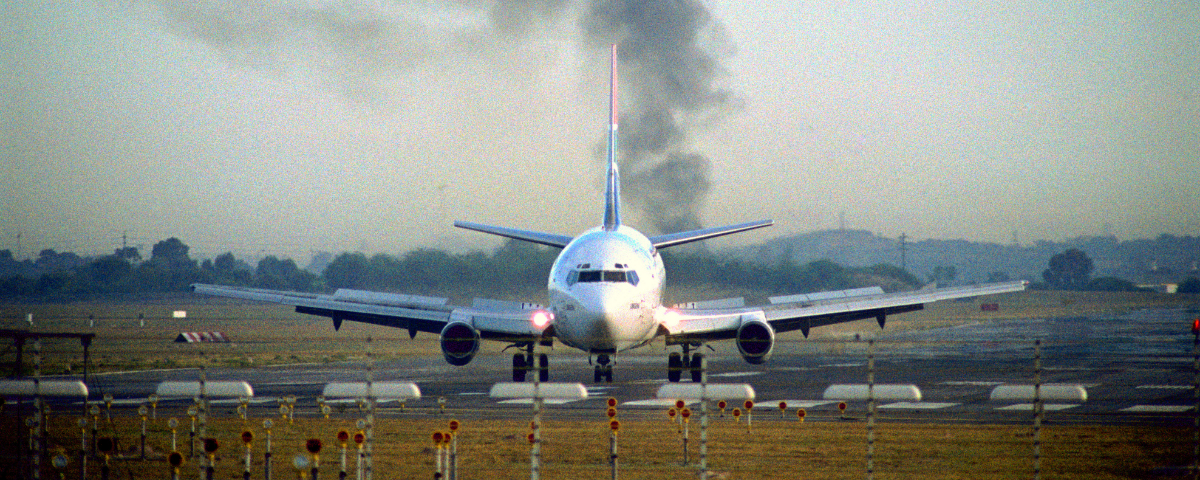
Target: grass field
496,449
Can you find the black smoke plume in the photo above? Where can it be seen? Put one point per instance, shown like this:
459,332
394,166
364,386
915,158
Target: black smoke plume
669,52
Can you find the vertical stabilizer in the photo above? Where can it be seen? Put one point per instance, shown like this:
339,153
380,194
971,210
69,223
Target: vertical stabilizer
612,193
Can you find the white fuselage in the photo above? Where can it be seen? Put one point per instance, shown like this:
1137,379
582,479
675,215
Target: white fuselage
604,290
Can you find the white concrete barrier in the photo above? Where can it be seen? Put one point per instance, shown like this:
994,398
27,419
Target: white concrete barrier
882,392
379,390
45,388
713,391
1049,393
556,391
211,389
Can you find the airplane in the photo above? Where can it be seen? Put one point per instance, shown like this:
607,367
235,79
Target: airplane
605,297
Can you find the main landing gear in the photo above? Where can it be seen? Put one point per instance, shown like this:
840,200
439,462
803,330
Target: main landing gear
523,363
677,364
603,369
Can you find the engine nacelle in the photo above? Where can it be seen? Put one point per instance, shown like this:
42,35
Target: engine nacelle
755,341
459,342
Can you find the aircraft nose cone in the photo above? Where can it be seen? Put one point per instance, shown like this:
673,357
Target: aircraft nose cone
605,317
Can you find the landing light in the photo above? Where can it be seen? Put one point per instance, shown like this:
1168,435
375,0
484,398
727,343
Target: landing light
541,319
671,319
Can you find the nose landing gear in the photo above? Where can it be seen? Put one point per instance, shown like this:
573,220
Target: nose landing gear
603,369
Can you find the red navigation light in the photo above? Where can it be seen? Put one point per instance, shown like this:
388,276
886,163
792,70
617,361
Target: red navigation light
1196,326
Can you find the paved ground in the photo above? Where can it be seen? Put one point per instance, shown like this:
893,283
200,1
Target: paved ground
1137,369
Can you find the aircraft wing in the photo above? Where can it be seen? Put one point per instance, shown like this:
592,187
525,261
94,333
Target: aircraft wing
506,321
803,312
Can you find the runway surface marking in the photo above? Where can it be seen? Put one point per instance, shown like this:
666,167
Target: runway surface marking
653,403
1049,407
1158,409
529,401
919,405
800,403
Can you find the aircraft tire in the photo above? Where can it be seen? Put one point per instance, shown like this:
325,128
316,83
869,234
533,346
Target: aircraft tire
674,367
543,368
519,367
697,372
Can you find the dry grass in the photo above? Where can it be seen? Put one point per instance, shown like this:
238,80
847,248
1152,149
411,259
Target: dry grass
496,449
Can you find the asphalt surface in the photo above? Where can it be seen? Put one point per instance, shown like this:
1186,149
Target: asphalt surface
1136,369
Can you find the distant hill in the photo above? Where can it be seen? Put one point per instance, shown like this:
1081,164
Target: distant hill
1165,259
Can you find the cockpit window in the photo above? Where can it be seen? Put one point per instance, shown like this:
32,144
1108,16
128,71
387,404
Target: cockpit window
597,276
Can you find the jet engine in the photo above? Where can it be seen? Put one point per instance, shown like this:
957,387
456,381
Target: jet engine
459,341
755,340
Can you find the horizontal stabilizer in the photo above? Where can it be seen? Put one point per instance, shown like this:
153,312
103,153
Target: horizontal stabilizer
680,238
548,239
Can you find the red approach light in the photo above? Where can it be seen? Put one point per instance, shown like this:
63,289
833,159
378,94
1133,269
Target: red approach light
541,319
343,436
313,446
1196,326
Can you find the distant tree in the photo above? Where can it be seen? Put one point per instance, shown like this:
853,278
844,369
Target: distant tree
276,274
110,271
228,270
998,277
1112,284
169,269
1069,270
129,254
171,253
347,270
943,274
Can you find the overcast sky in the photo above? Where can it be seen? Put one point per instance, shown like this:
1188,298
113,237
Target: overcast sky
291,127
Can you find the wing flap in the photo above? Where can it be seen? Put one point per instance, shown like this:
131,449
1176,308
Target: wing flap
412,312
716,324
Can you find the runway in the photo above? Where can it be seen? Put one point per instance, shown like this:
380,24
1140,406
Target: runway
1136,369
